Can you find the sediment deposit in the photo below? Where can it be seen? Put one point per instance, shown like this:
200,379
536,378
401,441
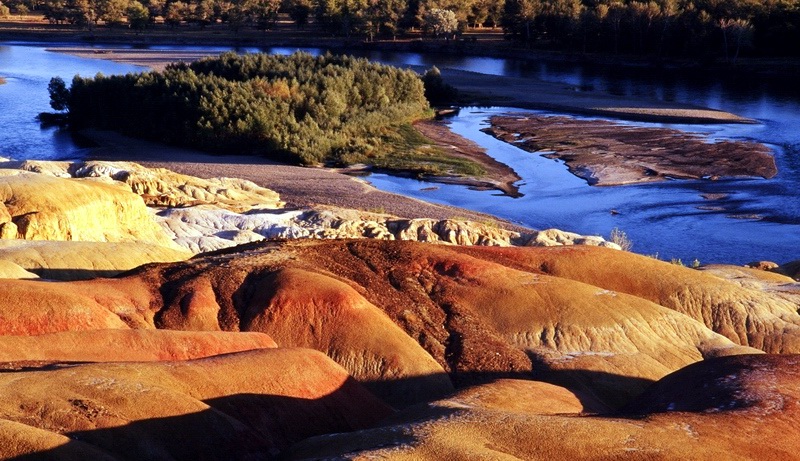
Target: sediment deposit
606,153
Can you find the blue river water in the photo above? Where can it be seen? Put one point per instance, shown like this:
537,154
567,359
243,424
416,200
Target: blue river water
747,219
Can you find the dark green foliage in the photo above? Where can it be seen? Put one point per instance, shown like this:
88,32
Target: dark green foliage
59,94
436,90
300,108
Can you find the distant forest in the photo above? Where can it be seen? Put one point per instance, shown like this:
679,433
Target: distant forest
691,28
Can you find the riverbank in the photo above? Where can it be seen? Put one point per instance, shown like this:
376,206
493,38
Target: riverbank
490,90
486,42
298,186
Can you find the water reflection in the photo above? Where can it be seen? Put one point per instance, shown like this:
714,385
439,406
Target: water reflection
27,71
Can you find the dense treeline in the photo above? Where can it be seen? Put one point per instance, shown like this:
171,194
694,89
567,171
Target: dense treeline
661,27
657,27
299,108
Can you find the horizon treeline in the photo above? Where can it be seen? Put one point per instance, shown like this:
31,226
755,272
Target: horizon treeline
692,28
298,108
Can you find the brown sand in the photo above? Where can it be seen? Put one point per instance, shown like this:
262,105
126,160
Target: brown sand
297,186
608,154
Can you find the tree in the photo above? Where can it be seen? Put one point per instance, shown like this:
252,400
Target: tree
485,12
437,92
264,13
55,11
155,7
382,17
741,32
59,94
519,17
614,16
82,13
441,22
138,15
299,11
112,11
204,13
176,12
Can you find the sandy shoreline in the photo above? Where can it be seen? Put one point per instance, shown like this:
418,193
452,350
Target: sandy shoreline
297,186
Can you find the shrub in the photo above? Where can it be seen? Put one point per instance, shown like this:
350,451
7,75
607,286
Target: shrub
619,237
436,90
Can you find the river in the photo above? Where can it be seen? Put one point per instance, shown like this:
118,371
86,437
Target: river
755,219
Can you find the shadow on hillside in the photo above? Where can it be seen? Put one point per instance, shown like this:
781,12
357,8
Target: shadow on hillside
597,391
69,275
241,426
256,426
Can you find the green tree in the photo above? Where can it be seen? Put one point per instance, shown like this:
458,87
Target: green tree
519,17
441,22
382,17
155,8
59,94
437,92
138,15
112,11
204,12
299,11
55,11
176,13
262,13
82,13
740,32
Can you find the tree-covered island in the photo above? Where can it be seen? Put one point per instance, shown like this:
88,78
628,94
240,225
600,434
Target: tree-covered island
332,110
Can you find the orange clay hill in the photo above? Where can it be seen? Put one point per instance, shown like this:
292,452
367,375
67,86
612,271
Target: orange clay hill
732,408
437,351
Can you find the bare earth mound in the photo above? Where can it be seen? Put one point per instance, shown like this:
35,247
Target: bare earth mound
249,405
126,346
757,398
750,316
606,153
403,316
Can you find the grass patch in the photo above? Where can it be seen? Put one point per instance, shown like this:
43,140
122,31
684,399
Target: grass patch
409,150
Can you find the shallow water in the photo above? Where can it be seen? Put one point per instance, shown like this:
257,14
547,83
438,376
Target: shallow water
663,219
668,219
27,71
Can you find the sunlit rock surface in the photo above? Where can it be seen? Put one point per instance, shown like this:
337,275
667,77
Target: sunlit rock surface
73,260
248,405
741,408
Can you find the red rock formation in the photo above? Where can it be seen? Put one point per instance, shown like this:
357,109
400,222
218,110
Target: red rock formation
398,315
248,405
740,408
127,345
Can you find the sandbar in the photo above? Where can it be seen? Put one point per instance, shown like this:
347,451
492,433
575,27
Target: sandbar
605,153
